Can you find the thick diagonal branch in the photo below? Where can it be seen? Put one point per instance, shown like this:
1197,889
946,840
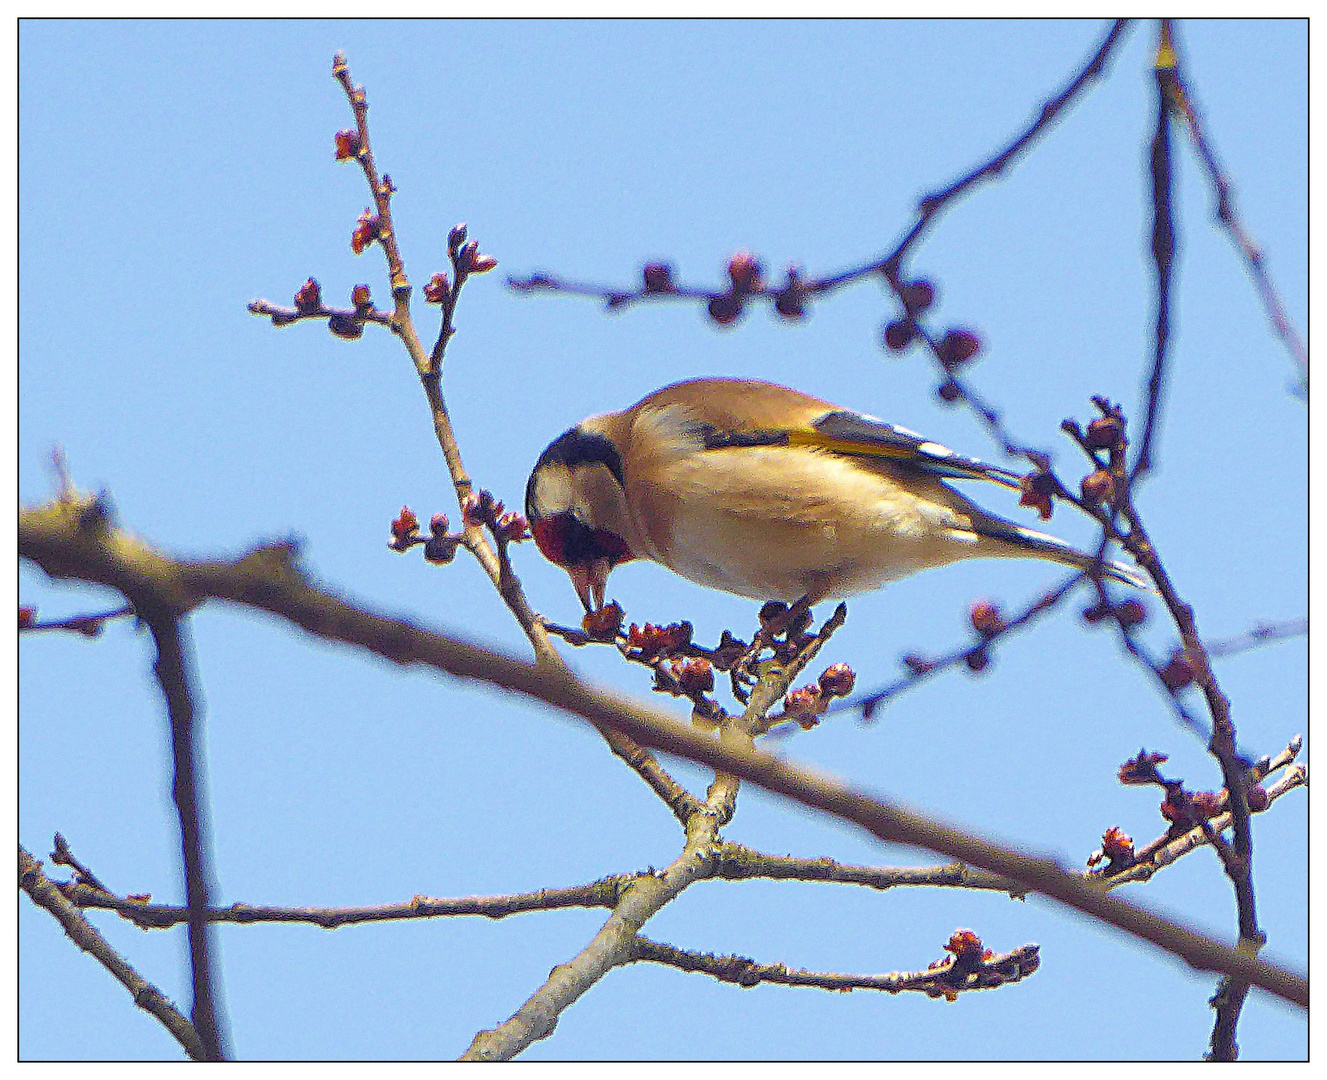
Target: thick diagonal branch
56,538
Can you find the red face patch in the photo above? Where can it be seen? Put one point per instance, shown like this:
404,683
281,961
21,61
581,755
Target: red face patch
567,541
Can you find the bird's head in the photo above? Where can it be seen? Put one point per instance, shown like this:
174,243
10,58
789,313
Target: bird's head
577,508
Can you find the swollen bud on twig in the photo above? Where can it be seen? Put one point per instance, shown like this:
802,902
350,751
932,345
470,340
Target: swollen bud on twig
745,271
897,335
725,309
361,298
1177,674
455,239
694,675
957,347
367,230
986,618
603,625
347,145
1104,433
437,290
658,277
344,326
1098,487
917,296
1037,489
309,298
837,680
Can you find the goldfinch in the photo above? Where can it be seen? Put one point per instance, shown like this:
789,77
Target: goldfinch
768,493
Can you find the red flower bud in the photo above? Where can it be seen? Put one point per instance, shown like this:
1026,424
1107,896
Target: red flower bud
1178,673
1117,844
309,298
1037,491
366,231
361,298
603,625
695,675
837,680
986,618
949,392
957,347
512,528
455,239
898,335
343,326
745,271
658,277
482,264
347,145
725,309
405,525
1257,798
1131,613
1142,769
964,943
26,615
437,290
1104,433
1097,488
438,524
917,296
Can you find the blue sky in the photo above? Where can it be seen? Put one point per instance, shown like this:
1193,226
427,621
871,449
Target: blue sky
171,172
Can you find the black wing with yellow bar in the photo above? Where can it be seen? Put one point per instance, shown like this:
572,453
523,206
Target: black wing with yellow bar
855,435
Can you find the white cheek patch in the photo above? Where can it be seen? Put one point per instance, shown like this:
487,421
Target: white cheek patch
552,491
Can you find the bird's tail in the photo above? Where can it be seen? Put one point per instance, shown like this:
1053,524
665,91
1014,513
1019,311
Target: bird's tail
1049,547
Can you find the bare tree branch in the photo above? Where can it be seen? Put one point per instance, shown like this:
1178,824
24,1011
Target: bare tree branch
465,260
70,538
1229,219
946,980
734,862
615,943
173,669
82,933
602,893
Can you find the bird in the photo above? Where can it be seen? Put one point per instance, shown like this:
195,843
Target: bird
768,493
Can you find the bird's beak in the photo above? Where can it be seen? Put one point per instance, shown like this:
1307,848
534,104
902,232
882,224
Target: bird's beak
590,580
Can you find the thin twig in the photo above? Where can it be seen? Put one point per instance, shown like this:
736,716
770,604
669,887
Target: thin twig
87,625
602,893
1263,633
82,933
930,206
920,669
1228,217
946,980
1163,245
1167,850
734,862
56,537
